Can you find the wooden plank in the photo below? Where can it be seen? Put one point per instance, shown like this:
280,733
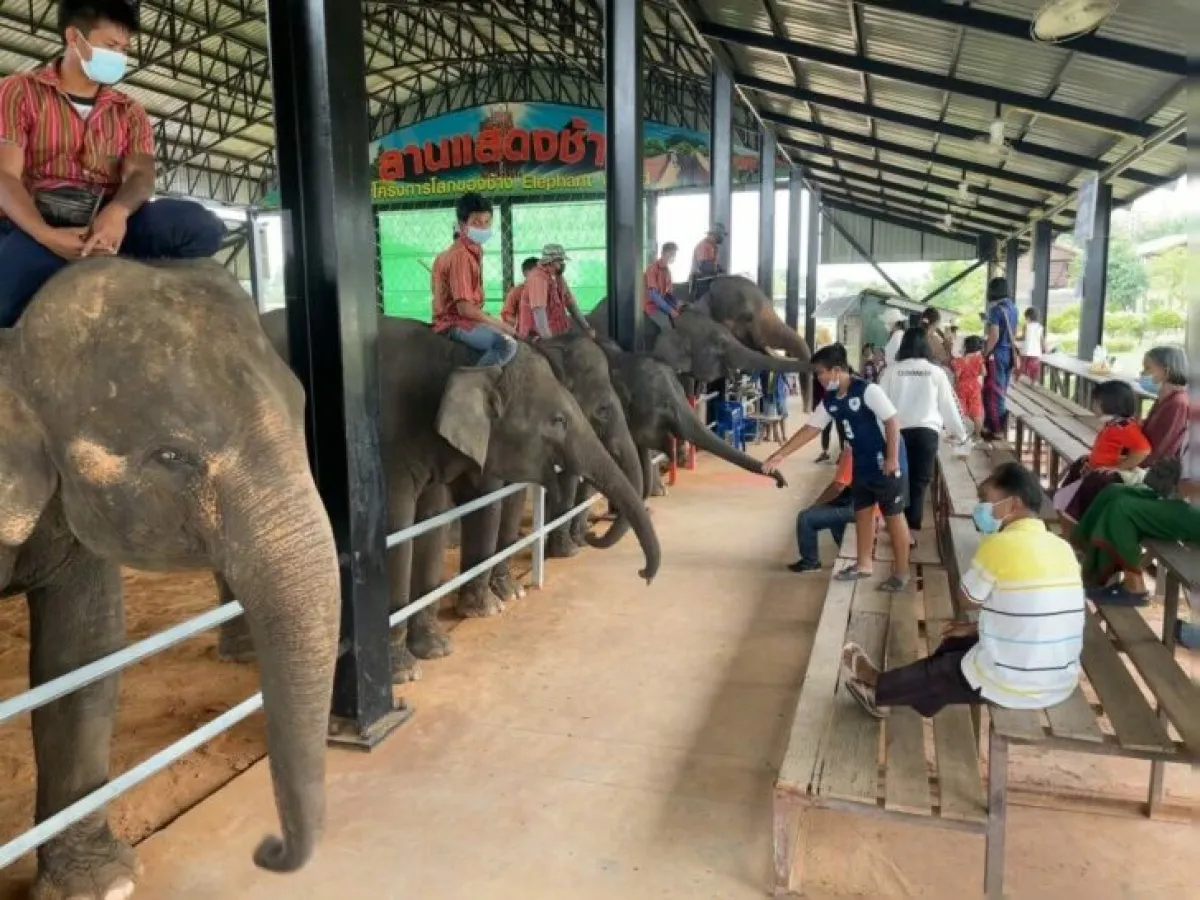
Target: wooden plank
965,540
815,705
1182,559
906,788
938,605
925,553
849,760
1074,719
960,487
1135,724
1023,725
1178,696
1066,446
960,785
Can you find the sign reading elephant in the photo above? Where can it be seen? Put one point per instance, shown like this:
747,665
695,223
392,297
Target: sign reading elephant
146,421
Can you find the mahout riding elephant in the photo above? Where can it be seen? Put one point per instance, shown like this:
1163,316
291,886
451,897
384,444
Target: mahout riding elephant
146,421
451,432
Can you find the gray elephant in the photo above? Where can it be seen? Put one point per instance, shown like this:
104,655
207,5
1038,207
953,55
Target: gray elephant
145,421
451,433
740,305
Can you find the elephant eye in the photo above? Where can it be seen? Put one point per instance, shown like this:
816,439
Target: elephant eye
603,412
559,420
170,456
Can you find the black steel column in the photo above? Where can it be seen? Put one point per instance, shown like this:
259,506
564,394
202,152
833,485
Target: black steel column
1095,277
766,216
1043,240
720,158
795,224
252,252
813,266
652,248
1012,262
319,78
507,263
623,168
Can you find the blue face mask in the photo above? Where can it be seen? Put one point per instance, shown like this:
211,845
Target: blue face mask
1147,383
479,235
985,519
105,66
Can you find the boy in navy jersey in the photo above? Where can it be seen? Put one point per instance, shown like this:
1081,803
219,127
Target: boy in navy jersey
868,420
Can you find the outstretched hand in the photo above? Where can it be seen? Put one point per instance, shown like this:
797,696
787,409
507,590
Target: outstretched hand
771,464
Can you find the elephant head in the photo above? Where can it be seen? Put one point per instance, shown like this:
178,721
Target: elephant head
740,305
708,350
518,422
147,404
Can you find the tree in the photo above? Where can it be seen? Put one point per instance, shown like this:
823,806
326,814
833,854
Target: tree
1167,272
1165,319
1065,322
1127,276
965,297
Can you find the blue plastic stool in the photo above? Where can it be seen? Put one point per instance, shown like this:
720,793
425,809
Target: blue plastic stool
731,423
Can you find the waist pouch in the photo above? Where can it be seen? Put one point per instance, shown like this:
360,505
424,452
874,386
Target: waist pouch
68,207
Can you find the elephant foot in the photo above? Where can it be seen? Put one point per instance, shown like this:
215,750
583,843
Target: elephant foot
658,487
234,644
560,546
405,667
86,865
429,643
476,601
505,587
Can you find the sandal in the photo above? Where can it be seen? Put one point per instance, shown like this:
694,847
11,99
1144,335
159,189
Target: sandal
865,697
894,585
854,658
1117,595
852,573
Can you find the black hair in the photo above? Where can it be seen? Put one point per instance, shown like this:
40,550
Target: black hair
915,345
1115,398
914,320
868,348
954,328
670,247
529,263
973,343
832,356
1014,480
900,325
469,204
1031,314
87,14
931,315
997,288
1174,361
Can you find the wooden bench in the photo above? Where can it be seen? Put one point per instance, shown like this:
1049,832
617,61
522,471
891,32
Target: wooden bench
840,758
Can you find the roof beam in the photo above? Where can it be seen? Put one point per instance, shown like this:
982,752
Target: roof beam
924,123
1067,112
838,199
1037,184
1013,26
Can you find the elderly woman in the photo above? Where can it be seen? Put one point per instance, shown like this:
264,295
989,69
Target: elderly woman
1165,370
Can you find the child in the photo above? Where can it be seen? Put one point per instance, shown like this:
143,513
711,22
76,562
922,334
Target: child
872,430
968,370
1120,446
870,364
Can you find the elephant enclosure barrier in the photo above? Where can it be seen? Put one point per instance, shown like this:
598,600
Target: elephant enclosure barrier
37,697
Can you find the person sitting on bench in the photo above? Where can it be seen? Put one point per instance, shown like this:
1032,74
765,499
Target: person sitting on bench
1024,651
77,163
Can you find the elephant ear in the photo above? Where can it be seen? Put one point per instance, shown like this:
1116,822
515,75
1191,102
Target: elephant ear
27,475
556,354
471,405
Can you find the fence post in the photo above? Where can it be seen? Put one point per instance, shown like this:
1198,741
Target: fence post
539,525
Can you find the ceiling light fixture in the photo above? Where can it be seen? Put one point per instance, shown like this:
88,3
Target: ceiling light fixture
1064,20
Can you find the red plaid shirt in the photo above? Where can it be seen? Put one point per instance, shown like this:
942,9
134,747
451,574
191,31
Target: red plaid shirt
549,292
457,276
61,148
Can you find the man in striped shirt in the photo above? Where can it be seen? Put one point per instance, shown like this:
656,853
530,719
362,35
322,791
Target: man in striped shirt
1024,651
548,307
77,163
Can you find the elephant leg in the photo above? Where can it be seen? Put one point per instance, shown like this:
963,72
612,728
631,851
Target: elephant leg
559,544
233,638
426,639
480,532
74,621
581,523
512,510
402,507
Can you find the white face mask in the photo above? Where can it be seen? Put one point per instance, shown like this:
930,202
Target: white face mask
105,66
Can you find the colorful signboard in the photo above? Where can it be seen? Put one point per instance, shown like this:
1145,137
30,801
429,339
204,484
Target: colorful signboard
534,149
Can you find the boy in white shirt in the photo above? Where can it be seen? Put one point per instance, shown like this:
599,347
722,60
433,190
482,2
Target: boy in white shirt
1033,345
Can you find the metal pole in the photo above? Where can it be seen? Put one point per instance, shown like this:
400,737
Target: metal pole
319,75
1012,262
651,227
720,157
507,262
1043,240
539,528
252,250
1095,277
863,252
766,216
812,268
623,168
795,220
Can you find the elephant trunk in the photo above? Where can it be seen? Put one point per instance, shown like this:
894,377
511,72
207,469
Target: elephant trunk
281,563
777,335
744,359
691,429
602,471
625,452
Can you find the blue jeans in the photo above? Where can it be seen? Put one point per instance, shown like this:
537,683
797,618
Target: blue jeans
164,229
812,521
498,349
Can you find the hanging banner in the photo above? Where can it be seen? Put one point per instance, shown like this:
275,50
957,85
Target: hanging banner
533,149
1085,210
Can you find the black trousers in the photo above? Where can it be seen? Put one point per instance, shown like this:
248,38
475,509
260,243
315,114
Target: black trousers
921,445
932,683
827,432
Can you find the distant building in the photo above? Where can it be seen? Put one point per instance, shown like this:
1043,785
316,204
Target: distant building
1060,281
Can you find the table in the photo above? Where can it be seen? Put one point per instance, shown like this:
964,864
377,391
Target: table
1060,369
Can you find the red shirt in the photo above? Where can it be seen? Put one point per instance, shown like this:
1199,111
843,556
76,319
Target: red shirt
512,304
658,278
967,372
1115,440
61,148
457,277
547,291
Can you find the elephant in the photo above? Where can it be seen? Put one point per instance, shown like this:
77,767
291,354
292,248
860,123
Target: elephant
453,431
146,421
741,306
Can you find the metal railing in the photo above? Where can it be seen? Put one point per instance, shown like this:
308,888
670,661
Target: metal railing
122,659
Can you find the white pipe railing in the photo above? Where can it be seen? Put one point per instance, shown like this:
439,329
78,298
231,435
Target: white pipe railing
52,690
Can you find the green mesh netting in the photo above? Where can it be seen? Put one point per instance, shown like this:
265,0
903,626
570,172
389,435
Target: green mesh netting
580,228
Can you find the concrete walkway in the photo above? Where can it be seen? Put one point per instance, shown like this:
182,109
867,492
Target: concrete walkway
611,741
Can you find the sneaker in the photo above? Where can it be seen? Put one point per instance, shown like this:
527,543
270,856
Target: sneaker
1116,595
805,565
865,696
894,585
824,457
